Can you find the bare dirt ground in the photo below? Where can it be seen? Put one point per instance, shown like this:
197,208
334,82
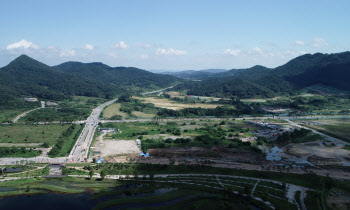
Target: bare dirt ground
168,104
215,153
116,147
339,201
318,154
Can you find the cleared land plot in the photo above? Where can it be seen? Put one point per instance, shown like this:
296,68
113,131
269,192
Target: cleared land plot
20,133
338,128
116,147
113,110
169,104
142,114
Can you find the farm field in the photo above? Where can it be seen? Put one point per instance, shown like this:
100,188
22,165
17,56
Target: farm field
169,104
338,128
19,133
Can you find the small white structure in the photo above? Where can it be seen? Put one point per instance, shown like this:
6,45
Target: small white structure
30,99
49,103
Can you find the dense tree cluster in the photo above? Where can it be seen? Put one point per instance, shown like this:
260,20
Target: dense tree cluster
287,137
64,141
18,152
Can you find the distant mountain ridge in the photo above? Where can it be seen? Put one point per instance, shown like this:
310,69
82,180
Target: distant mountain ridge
195,74
116,76
328,69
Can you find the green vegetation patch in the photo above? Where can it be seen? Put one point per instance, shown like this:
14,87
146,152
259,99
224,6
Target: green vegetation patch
20,133
18,152
61,115
66,142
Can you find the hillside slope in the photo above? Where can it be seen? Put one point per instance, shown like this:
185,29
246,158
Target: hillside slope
327,69
26,76
116,76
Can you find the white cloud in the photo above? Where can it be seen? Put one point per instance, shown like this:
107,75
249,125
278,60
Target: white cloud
232,52
67,53
144,56
170,51
299,42
121,45
89,47
256,50
319,42
22,44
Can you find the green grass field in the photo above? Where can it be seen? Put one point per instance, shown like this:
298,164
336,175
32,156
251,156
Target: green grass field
20,133
338,128
9,115
113,110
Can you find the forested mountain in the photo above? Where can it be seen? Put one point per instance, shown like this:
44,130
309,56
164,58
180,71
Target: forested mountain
251,74
116,76
220,87
328,69
26,76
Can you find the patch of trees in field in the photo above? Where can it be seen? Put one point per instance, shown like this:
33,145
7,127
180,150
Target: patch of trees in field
62,115
66,142
18,152
288,137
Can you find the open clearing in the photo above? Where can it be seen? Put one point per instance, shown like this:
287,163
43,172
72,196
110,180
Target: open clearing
116,147
317,153
168,104
8,115
113,110
142,114
20,133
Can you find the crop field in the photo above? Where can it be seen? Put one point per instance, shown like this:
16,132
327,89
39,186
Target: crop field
169,104
338,128
20,133
113,110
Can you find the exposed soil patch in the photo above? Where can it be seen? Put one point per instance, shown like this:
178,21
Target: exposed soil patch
317,160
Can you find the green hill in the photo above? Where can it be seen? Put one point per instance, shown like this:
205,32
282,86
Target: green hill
26,76
332,70
117,76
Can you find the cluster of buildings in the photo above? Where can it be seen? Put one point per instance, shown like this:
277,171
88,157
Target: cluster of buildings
48,103
265,124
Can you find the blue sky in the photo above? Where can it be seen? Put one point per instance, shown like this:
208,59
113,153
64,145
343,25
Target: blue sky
172,35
